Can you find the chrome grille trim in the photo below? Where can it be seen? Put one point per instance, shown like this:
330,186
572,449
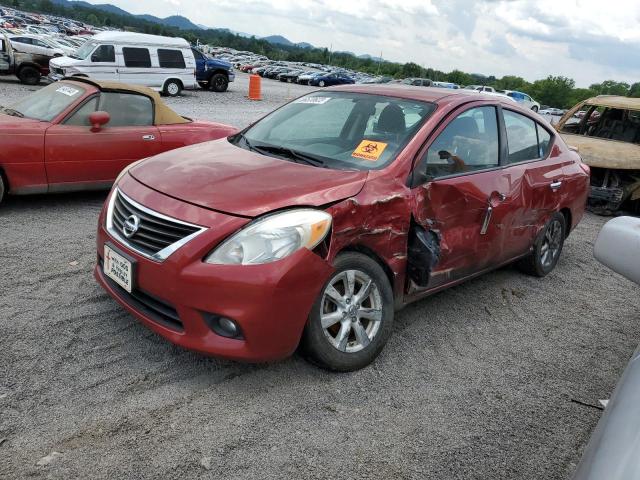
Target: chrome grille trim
163,252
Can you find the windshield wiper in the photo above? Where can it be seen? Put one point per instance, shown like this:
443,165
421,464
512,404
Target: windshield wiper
11,111
270,150
296,156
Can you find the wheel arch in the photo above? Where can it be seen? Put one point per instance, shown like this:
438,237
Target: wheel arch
364,250
218,70
566,213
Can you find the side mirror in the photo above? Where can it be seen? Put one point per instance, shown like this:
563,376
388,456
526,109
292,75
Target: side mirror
98,120
618,247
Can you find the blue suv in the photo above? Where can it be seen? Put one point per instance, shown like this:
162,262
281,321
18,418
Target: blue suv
211,73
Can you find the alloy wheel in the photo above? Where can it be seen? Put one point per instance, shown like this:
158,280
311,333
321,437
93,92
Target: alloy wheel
173,89
551,244
351,311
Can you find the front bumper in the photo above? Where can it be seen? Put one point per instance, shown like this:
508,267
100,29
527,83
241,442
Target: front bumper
270,303
55,77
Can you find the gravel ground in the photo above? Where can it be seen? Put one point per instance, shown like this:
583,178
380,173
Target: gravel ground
477,382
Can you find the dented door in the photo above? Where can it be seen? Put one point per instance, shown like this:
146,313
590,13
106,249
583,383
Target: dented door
468,203
473,218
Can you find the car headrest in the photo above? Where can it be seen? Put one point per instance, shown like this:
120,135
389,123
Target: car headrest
391,120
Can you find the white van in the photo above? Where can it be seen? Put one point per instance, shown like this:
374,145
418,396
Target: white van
165,64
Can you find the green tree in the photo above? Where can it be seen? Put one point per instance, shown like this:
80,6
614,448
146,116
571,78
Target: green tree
459,77
512,82
610,87
411,70
553,91
92,19
634,91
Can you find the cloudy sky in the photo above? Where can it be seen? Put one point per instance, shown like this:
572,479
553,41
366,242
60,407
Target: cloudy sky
587,40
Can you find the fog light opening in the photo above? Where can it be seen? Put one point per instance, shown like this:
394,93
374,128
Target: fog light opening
225,327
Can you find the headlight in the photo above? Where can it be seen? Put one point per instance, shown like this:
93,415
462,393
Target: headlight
273,238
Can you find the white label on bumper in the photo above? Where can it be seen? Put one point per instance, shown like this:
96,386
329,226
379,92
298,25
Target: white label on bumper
118,268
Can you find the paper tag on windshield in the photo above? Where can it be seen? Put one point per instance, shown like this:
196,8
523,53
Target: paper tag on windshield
313,100
66,90
369,150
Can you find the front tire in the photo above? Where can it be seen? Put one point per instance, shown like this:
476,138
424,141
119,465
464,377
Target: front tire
321,83
172,88
219,83
546,249
351,320
535,108
29,76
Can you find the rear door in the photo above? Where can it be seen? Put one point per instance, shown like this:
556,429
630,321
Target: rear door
75,153
137,69
466,200
530,156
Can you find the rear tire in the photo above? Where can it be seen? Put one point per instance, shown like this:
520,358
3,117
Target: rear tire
219,83
29,76
321,83
546,249
351,320
172,88
534,108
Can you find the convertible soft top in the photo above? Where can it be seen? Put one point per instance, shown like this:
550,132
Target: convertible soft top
163,114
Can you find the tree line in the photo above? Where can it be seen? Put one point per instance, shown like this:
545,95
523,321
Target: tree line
556,91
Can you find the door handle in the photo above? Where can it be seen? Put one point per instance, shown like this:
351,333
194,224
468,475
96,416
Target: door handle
148,137
487,220
555,185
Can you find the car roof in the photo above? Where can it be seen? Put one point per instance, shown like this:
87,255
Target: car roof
429,94
163,114
615,101
142,38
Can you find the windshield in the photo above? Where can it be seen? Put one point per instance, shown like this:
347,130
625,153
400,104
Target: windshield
340,130
84,51
48,102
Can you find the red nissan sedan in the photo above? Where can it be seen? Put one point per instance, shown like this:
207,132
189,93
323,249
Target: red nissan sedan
313,225
79,134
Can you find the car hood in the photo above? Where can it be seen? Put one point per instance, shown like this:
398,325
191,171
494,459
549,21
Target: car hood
62,62
230,179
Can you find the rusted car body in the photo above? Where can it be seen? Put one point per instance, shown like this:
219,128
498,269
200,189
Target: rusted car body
26,66
608,138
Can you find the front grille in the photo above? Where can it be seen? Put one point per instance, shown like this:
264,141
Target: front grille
152,307
157,235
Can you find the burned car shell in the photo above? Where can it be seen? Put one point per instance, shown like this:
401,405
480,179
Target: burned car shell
610,146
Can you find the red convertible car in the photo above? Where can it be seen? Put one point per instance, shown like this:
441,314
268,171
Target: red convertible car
316,223
79,134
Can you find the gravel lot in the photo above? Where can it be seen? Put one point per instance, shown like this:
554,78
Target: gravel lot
477,382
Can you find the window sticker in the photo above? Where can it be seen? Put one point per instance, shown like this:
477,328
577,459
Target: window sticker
68,91
313,100
369,150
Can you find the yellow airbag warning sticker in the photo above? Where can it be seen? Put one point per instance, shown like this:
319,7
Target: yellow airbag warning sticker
369,150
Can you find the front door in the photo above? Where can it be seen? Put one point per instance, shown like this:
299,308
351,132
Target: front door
77,154
103,63
467,200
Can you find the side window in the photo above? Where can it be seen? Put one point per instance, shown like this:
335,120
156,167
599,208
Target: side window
104,53
522,137
170,58
80,117
126,109
136,57
470,142
544,141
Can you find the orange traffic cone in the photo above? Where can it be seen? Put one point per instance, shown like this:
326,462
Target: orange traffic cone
255,87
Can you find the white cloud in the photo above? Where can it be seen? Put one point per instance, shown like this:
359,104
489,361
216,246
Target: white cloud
588,40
